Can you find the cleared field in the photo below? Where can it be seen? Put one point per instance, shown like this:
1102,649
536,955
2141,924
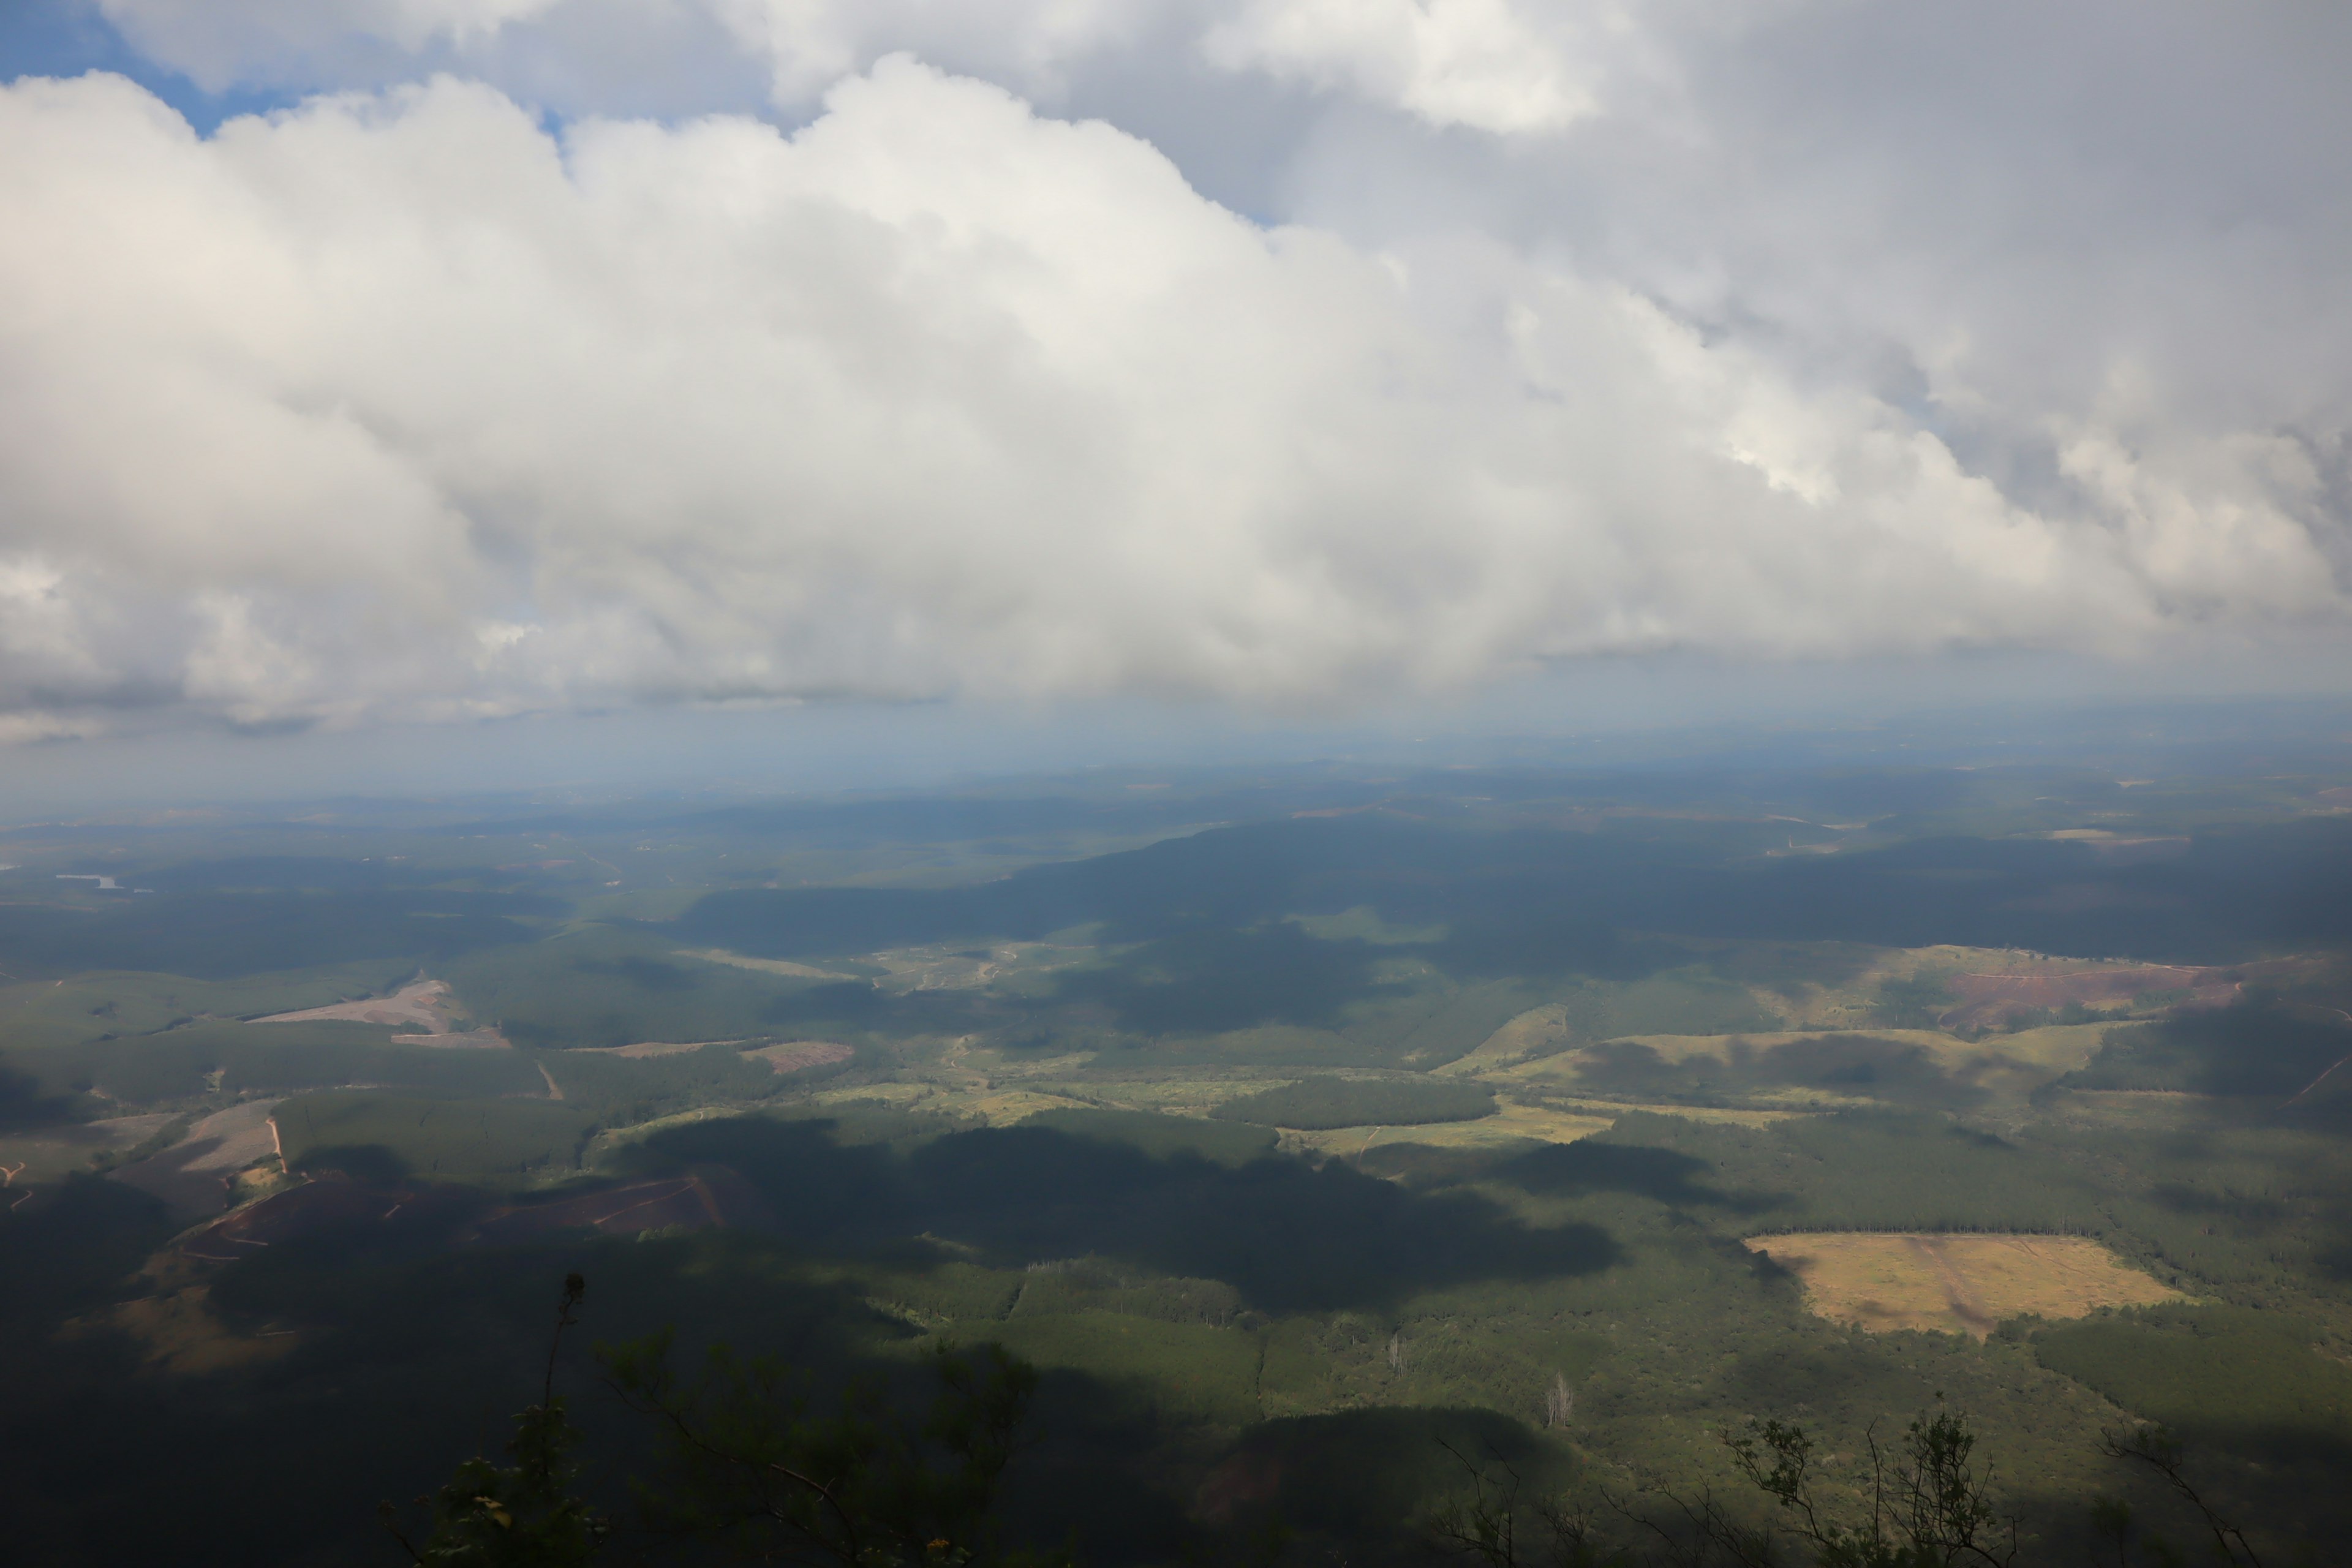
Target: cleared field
909,969
1956,1284
1986,998
1509,1124
2058,1047
194,1175
2007,1066
2008,978
792,1055
992,1107
426,1004
1533,1033
1177,1095
180,1334
652,1049
1005,1107
422,1003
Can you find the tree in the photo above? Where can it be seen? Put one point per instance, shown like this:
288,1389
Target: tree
864,1487
751,1467
2160,1451
523,1515
1490,1524
1929,1507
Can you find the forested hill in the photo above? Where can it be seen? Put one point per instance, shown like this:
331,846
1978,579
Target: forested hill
1537,896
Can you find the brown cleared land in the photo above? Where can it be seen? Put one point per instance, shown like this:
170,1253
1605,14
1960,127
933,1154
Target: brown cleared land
794,1055
676,1202
426,1004
653,1047
1986,999
179,1333
174,1326
2010,1065
197,1174
324,1206
1956,1284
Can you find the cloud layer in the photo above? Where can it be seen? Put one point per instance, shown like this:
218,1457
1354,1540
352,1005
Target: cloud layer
1573,330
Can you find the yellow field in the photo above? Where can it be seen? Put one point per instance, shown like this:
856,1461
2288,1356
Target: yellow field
1538,1029
1005,1107
1953,1283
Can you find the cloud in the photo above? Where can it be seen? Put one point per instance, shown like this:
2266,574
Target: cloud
1501,66
401,405
1485,64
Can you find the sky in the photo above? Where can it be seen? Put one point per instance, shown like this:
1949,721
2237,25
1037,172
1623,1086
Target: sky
387,376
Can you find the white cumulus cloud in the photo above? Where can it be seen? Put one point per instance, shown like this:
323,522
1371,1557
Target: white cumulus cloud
401,403
1505,65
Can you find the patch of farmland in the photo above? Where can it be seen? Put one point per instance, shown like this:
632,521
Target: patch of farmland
1987,999
1952,1283
997,964
674,1203
196,1174
426,1004
654,1048
1775,1067
1178,1096
987,1106
1003,1108
422,1003
792,1056
463,1040
1509,1124
1535,1033
179,1333
410,1210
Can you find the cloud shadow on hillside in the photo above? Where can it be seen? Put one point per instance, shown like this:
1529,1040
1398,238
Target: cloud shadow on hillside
1289,1236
